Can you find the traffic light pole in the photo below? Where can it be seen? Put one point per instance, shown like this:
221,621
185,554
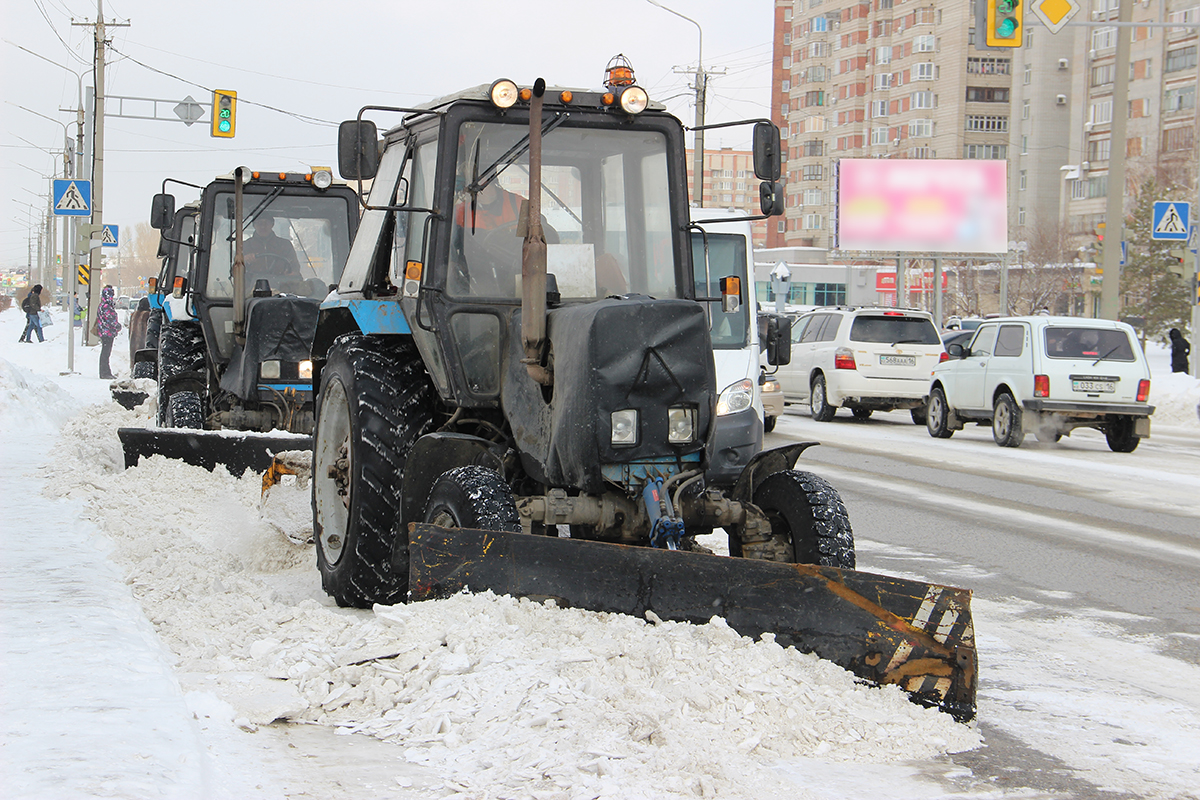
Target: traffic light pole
1114,212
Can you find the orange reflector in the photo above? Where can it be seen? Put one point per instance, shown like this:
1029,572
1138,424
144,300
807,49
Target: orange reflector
412,271
153,283
308,177
526,95
731,285
566,96
255,175
283,176
608,99
178,281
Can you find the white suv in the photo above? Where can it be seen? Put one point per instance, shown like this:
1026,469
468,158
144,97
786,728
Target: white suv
1048,375
864,359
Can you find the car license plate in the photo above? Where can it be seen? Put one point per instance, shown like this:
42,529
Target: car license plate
1093,386
898,361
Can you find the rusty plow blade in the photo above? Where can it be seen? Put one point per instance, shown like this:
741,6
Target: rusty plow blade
236,451
918,636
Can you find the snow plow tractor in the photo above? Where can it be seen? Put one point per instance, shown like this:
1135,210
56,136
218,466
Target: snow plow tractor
234,346
516,392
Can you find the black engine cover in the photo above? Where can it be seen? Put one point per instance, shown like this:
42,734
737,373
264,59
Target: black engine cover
277,328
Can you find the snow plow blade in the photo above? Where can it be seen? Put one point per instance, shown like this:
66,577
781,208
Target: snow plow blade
885,630
236,451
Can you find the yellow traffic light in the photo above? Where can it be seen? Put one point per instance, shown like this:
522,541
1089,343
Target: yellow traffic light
224,113
1005,23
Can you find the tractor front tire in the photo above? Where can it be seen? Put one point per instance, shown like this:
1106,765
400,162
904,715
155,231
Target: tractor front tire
375,401
472,497
180,349
808,511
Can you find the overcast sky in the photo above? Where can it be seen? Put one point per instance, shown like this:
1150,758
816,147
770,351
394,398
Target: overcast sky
321,62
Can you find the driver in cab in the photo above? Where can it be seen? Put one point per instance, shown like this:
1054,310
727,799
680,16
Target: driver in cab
268,253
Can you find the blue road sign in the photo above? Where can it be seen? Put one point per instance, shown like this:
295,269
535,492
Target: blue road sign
72,198
1171,220
108,237
1124,253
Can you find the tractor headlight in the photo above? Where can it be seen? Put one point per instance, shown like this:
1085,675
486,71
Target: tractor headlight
305,370
269,369
634,100
736,397
322,179
681,425
625,426
503,93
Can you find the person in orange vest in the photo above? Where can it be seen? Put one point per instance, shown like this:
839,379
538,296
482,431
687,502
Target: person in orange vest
488,234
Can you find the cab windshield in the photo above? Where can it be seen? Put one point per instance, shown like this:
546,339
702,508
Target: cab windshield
605,208
726,257
297,244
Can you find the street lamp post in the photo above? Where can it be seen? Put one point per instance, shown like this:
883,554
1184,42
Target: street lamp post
701,89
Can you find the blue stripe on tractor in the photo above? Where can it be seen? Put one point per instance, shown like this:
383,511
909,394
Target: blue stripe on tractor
372,316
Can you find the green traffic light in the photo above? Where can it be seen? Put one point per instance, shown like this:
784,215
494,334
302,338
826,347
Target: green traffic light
223,126
1006,28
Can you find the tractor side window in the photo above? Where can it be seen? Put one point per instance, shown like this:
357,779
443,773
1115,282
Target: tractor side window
410,226
726,257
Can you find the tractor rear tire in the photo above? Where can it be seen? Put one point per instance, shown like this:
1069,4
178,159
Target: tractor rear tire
810,512
143,369
180,349
375,401
472,497
184,410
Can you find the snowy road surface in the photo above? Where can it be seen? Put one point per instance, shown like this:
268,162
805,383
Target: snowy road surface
155,624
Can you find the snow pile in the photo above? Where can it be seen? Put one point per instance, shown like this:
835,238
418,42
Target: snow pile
31,402
496,694
1174,395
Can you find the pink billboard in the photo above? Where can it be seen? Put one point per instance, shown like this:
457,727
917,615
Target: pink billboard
923,205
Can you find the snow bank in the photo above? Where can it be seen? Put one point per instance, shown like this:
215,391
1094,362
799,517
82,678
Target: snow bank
496,694
31,402
1174,395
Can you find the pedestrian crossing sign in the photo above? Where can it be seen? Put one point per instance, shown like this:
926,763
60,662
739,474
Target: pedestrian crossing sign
72,198
108,237
1171,220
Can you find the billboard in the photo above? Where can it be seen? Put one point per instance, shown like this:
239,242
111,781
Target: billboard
922,205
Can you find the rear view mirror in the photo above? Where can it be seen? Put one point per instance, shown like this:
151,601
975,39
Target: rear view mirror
956,350
779,341
358,149
162,212
768,158
770,198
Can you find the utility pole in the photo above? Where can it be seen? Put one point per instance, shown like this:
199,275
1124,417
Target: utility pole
1114,211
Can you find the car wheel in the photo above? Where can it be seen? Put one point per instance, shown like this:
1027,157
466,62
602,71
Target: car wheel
1119,433
818,404
918,414
1007,427
768,424
861,413
937,415
472,497
809,514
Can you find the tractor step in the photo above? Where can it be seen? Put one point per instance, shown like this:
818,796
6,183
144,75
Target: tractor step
885,630
237,451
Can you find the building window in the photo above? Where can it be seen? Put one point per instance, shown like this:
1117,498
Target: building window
1102,112
785,109
987,94
1097,186
990,124
812,222
814,124
787,86
883,55
787,39
1178,138
1179,99
1103,74
1079,190
879,136
1023,181
1024,145
831,294
816,98
781,226
1183,58
1099,149
1021,215
814,197
818,50
986,151
922,100
1104,38
819,25
1187,15
1024,109
988,66
812,172
883,80
1027,74
920,128
924,44
813,147
924,71
879,109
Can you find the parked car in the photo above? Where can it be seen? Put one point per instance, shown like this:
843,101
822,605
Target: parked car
864,359
957,336
772,401
1048,375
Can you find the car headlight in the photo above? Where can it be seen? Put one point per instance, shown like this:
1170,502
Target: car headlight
736,397
269,369
634,100
503,93
625,426
306,370
681,425
771,387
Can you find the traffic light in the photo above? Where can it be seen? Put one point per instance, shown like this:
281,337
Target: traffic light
224,113
1005,23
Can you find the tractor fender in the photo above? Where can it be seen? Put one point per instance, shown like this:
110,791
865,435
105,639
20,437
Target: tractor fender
434,454
766,463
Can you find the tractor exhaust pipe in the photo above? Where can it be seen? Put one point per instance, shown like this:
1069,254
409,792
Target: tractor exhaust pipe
238,271
533,253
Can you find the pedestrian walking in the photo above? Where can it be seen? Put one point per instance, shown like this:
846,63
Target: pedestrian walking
1179,351
32,306
106,326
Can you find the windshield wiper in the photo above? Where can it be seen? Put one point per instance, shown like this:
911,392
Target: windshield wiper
909,341
1106,355
510,156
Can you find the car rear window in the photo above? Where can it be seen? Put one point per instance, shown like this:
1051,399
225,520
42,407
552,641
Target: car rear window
1083,342
894,330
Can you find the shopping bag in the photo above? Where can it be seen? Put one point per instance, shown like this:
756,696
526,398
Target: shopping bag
45,318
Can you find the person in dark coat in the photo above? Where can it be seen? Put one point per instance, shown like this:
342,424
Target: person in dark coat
1179,351
106,326
32,306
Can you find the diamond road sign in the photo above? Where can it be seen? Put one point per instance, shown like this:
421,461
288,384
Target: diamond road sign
108,236
189,110
72,198
1170,221
1054,14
